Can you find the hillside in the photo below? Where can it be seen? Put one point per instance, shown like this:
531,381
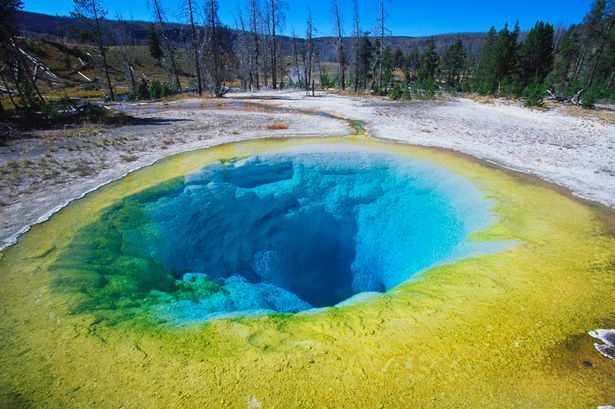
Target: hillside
60,28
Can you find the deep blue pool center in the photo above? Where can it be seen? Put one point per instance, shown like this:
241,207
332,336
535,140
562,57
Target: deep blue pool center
295,231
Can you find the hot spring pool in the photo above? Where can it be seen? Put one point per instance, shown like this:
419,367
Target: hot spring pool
311,272
277,233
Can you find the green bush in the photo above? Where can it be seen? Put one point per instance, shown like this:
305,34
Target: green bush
395,92
534,94
158,90
155,90
325,79
590,97
405,93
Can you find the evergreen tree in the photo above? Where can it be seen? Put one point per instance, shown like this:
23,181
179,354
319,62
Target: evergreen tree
506,58
413,61
428,69
388,66
486,81
499,63
398,58
153,43
8,25
453,63
536,54
365,60
568,52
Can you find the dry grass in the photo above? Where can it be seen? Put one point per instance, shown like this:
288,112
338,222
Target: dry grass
129,158
276,126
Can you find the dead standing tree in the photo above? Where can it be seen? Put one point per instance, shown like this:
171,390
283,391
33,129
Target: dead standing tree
276,14
308,52
159,17
212,50
382,32
608,20
357,43
255,27
189,11
242,50
92,11
124,40
341,54
295,51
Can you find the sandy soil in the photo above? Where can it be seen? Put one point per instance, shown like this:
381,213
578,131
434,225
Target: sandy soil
45,170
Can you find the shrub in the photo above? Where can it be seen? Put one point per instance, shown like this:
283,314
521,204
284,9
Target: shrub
142,89
395,92
325,79
405,93
590,97
535,93
155,90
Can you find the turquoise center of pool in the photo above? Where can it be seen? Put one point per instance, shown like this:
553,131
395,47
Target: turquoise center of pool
281,233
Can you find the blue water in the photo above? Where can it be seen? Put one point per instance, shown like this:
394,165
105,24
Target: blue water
291,232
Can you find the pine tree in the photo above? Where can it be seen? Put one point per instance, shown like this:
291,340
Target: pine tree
568,52
413,61
399,59
153,43
453,63
485,79
430,60
536,54
365,60
388,65
506,59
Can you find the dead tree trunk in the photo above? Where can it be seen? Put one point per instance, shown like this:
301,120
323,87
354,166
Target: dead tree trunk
254,17
341,57
600,51
167,44
195,52
274,51
357,45
103,53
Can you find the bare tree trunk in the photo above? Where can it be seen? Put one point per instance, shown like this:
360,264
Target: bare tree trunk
195,52
296,57
255,32
103,52
341,58
274,65
600,51
166,42
308,55
357,44
381,33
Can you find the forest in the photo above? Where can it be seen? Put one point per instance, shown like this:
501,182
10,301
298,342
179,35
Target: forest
574,64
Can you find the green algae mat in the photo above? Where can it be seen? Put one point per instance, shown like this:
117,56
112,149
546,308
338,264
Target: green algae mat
505,328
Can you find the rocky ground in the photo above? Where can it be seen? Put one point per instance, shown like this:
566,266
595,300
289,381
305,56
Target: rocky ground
42,171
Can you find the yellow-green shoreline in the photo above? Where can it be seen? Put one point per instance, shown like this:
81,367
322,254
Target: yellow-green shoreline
505,330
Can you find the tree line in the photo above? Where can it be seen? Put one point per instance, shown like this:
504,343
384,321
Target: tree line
574,63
